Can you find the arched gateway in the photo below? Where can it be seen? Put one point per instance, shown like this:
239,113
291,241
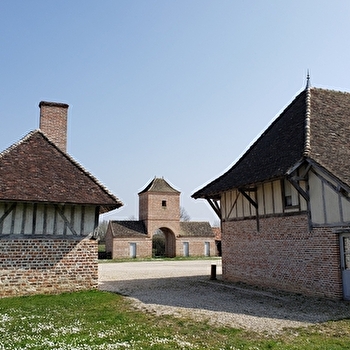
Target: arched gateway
159,209
163,243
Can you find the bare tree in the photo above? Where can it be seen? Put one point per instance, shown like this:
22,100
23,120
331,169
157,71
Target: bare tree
100,231
184,215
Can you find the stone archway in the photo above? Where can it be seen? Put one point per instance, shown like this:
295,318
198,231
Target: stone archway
169,246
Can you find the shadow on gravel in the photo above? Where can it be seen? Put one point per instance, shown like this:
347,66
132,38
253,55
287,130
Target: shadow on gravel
199,292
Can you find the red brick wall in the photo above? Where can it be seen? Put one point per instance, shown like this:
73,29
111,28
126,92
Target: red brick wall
150,206
43,266
121,248
282,255
196,246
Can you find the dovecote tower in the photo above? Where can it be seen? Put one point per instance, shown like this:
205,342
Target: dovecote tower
159,208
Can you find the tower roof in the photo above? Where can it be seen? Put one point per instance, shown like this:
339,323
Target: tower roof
159,185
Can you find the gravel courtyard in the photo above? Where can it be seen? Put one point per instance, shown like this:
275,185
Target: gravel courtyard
184,288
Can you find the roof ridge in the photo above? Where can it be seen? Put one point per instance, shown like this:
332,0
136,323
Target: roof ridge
307,145
329,90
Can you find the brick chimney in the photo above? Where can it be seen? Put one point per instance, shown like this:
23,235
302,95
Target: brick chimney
53,122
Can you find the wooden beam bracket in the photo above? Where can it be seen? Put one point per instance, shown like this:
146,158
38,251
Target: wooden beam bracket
215,206
252,202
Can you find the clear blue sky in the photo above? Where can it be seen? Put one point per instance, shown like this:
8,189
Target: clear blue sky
177,89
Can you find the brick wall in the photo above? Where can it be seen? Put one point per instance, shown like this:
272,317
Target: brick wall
121,248
43,266
151,206
282,255
196,246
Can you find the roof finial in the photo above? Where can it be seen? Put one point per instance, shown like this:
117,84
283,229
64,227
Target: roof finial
308,84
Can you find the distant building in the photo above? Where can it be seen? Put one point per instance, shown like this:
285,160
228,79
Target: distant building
159,210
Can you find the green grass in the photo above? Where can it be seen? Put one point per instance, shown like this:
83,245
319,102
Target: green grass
101,247
102,320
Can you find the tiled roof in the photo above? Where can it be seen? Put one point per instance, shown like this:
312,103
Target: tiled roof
36,170
128,228
330,132
217,232
196,229
315,125
159,185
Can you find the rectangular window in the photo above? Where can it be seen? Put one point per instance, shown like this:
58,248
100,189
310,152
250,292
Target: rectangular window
288,201
163,204
291,198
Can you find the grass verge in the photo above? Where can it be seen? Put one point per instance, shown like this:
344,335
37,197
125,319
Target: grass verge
102,320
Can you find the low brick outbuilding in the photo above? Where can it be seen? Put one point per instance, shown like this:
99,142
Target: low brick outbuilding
49,209
159,210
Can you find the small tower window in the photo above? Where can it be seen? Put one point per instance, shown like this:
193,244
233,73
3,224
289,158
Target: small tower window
163,204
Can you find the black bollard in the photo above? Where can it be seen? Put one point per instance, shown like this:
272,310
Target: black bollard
213,272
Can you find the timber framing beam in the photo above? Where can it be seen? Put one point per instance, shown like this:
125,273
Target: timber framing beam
7,212
233,205
215,206
60,211
252,202
295,182
294,177
338,189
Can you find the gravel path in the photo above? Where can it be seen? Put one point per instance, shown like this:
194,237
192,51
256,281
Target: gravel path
184,288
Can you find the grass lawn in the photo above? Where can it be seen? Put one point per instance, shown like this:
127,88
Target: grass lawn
102,320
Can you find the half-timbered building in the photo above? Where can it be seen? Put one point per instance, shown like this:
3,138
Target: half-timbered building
285,205
49,209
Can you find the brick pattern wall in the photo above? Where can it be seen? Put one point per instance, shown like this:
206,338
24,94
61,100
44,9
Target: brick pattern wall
53,122
196,246
121,248
151,208
282,255
153,225
44,266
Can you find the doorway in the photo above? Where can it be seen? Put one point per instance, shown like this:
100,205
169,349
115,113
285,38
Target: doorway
132,250
345,263
163,243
